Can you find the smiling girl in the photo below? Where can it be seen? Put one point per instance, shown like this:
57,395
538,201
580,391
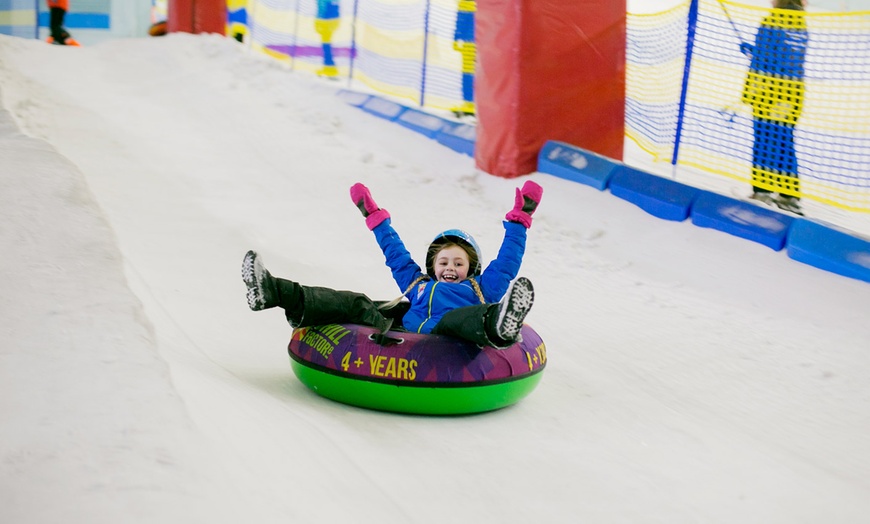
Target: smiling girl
455,296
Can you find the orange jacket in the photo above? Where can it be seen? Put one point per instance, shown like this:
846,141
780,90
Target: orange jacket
63,4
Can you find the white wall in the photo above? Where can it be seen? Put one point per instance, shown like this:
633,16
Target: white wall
130,17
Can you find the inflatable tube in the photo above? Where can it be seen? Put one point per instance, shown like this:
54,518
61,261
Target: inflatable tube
414,373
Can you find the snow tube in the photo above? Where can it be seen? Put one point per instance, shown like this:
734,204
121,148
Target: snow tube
414,373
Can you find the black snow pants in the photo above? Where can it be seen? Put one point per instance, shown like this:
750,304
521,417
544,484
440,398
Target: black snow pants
317,306
58,33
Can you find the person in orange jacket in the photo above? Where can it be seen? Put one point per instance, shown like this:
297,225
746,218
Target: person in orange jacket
57,11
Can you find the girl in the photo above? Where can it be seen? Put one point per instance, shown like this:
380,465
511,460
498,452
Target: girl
454,296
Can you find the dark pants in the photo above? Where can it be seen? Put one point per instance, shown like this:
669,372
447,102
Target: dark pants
774,159
317,306
471,323
58,33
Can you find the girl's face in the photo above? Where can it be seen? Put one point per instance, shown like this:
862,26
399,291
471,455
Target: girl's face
451,265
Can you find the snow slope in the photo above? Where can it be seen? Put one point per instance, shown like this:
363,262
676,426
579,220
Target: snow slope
692,377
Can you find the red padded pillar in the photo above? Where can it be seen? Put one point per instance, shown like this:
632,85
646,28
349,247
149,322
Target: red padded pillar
179,16
548,70
197,16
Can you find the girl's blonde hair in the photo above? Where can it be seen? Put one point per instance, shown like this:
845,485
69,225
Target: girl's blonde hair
443,242
392,303
433,251
437,247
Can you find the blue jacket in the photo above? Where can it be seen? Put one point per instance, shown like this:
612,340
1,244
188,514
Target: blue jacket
781,46
328,9
430,299
774,85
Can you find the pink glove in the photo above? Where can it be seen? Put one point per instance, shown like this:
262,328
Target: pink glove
525,203
363,199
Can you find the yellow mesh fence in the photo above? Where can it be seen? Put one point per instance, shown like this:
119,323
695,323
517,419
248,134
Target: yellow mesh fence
772,98
409,49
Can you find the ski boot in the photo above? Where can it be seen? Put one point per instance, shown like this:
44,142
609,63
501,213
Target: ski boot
512,310
464,110
328,71
262,291
789,204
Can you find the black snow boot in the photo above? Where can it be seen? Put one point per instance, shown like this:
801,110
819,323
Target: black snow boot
505,322
262,290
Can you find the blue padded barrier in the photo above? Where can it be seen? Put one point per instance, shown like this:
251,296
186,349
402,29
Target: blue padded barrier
808,242
657,196
829,249
423,123
353,98
575,164
742,219
458,137
383,108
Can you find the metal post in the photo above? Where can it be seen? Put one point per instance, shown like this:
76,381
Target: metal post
352,44
425,54
690,44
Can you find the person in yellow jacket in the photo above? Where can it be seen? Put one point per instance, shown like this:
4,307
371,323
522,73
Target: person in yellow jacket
328,18
774,88
237,19
463,41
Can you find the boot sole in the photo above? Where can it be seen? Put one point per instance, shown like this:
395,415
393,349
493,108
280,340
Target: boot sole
252,275
521,296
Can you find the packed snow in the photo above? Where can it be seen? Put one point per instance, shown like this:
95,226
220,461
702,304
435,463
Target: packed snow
692,376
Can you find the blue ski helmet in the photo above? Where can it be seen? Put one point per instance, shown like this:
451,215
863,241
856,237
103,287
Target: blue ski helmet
461,238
